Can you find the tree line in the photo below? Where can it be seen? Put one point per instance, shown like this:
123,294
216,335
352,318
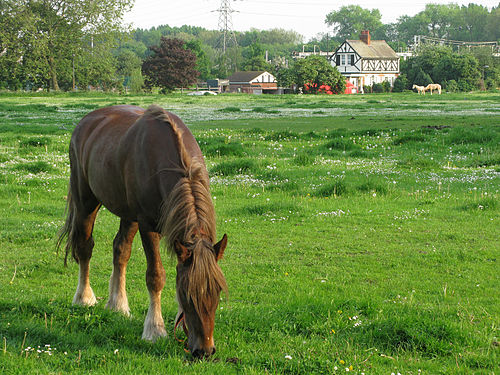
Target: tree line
82,44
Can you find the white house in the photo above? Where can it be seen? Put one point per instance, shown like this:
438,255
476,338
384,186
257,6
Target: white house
365,62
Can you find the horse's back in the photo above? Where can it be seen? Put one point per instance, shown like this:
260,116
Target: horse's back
129,157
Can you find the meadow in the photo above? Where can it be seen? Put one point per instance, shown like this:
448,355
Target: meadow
363,238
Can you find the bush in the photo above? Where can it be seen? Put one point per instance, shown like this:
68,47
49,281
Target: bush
466,85
490,84
386,85
400,84
451,85
377,88
422,78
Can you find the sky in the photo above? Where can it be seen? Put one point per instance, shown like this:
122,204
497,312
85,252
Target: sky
305,17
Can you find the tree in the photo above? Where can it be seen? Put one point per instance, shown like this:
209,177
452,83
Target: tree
422,78
127,64
493,24
437,64
285,77
407,27
471,23
349,21
55,33
203,65
13,43
440,18
65,24
313,74
171,65
254,56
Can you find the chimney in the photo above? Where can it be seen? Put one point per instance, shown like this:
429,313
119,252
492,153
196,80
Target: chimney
365,36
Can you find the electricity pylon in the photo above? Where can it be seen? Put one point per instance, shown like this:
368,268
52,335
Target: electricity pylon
227,38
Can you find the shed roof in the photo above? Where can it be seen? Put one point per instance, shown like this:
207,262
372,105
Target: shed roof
245,76
375,50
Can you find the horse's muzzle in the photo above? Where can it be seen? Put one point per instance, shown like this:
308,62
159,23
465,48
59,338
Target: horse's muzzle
203,353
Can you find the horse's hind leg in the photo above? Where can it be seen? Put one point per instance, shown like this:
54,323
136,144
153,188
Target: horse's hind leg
82,252
155,280
122,246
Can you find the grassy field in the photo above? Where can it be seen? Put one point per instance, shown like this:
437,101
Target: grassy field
363,238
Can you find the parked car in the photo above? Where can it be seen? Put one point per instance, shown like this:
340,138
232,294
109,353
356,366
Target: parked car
202,92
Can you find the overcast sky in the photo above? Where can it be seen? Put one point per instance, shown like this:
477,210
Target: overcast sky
305,17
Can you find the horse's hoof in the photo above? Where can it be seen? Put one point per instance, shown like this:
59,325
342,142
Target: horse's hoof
153,333
85,299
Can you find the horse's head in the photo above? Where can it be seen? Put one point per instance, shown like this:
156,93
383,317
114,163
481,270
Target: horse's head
199,283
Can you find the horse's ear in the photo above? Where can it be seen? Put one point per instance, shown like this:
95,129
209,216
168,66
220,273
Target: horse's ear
182,252
220,246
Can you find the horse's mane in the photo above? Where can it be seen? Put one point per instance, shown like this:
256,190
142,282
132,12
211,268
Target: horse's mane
188,216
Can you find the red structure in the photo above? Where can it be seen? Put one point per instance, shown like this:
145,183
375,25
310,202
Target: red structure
349,88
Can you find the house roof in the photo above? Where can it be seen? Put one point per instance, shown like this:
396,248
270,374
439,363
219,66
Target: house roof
375,50
245,76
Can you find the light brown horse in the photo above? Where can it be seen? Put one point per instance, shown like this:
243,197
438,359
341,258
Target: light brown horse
420,89
146,167
433,86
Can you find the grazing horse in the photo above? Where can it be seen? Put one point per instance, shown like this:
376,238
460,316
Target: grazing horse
146,167
420,89
433,86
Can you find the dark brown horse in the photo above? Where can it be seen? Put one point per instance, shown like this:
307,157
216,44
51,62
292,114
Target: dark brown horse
146,167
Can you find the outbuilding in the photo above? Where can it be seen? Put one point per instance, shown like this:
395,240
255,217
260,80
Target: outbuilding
253,82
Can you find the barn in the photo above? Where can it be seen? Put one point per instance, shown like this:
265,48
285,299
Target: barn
364,62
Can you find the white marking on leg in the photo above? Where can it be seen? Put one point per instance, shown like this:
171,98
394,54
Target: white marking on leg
118,300
154,327
84,294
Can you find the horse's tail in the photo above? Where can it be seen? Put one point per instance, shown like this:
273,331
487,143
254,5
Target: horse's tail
67,232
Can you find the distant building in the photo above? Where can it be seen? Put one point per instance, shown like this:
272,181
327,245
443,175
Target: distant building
365,62
253,82
304,54
217,85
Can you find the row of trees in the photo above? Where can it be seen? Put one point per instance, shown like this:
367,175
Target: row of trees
454,71
60,44
468,23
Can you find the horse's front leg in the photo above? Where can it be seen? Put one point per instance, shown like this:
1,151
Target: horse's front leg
122,247
155,280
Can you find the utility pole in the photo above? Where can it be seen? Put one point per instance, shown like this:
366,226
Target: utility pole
74,86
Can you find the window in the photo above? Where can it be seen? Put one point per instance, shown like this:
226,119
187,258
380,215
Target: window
342,58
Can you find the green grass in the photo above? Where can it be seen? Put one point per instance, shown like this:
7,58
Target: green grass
363,231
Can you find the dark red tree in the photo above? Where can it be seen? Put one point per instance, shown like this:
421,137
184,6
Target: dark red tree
171,65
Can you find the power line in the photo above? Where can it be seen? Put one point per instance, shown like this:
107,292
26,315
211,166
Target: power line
279,15
291,3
